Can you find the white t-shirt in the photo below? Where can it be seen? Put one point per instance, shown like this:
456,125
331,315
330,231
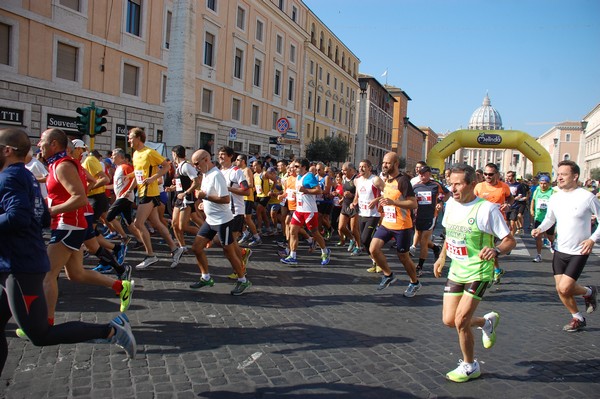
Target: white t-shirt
214,183
121,184
234,177
367,192
415,180
489,218
572,211
306,202
39,171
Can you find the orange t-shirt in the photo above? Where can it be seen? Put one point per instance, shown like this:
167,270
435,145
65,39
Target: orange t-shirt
290,190
497,194
394,217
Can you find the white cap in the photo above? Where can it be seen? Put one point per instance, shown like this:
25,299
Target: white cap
78,143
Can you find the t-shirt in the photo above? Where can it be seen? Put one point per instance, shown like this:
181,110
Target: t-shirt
540,203
145,164
428,195
394,217
489,218
235,178
496,194
290,192
306,202
367,192
517,189
214,184
122,183
572,212
92,165
39,171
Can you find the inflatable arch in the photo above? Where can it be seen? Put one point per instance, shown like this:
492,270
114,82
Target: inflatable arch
490,140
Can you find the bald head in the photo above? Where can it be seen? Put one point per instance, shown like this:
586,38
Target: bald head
17,139
201,160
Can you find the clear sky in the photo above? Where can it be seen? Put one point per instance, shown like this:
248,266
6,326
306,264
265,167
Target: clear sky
539,60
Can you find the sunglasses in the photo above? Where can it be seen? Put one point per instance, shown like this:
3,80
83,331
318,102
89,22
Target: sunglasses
489,174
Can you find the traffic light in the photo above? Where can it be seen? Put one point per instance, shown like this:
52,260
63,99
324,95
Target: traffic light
99,121
83,119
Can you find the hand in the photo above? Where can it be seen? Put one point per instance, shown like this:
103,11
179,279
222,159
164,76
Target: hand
181,196
586,247
535,233
487,253
438,267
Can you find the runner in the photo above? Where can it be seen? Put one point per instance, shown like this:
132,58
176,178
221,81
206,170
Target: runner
539,206
471,226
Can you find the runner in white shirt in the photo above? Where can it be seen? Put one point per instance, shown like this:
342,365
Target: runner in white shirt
306,213
216,199
572,209
39,171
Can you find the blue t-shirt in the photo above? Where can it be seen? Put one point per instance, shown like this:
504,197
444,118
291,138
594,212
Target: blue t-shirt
23,213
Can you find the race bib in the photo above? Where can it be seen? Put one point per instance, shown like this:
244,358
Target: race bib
456,249
139,176
259,189
542,204
178,186
424,198
389,213
299,199
336,201
291,194
363,204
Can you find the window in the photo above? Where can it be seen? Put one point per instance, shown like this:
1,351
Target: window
334,83
279,44
566,157
294,13
209,43
253,148
72,4
281,5
206,101
237,66
134,16
328,78
130,79
320,73
168,28
164,89
309,99
5,48
66,62
318,104
236,106
257,72
291,89
211,5
255,114
275,119
241,18
277,89
568,137
326,107
292,53
333,112
312,68
259,30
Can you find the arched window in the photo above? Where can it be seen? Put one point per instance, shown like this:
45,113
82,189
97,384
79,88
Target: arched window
329,48
337,56
321,42
566,157
313,39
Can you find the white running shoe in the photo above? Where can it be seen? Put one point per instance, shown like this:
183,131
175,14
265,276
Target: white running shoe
537,259
147,262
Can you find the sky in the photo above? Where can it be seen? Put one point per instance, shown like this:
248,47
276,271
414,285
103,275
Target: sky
538,60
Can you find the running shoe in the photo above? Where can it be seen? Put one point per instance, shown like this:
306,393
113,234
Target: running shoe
351,245
177,254
147,262
241,287
21,334
356,252
126,294
340,244
245,238
233,276
327,235
281,244
537,259
591,302
575,325
120,253
255,242
498,275
111,235
436,252
412,251
372,269
126,275
283,253
386,281
488,336
123,336
203,283
412,289
289,260
419,270
464,372
326,257
546,242
104,269
246,254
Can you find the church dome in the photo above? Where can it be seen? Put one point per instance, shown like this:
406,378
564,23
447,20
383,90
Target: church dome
485,117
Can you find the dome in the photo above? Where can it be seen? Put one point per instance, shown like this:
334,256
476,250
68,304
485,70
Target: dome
485,117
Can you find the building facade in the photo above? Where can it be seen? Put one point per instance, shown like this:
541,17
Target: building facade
562,142
186,71
591,143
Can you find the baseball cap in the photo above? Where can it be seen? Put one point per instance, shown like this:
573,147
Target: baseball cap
272,170
78,144
544,178
424,169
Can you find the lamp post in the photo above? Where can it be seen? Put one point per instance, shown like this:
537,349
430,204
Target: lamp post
555,158
361,139
581,156
405,141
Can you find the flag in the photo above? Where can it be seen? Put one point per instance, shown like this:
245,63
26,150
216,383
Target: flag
384,73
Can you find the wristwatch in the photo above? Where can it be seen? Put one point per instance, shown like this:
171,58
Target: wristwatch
498,252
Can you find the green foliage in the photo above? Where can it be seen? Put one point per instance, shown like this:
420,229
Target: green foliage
595,173
328,149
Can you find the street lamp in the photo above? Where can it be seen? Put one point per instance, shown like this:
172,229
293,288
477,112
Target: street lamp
405,141
363,84
555,156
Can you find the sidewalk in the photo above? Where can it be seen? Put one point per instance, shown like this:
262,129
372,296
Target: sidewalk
312,332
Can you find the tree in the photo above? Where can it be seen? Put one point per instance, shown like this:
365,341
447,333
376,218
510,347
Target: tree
595,173
328,149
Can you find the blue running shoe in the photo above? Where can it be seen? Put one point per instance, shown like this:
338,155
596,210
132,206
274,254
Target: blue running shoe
104,269
326,257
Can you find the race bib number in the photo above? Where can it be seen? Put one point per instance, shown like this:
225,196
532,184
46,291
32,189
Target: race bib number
178,186
299,201
259,189
139,176
424,198
456,249
291,194
363,205
542,204
389,213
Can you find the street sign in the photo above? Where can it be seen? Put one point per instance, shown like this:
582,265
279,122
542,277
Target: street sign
282,125
233,134
279,147
274,139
